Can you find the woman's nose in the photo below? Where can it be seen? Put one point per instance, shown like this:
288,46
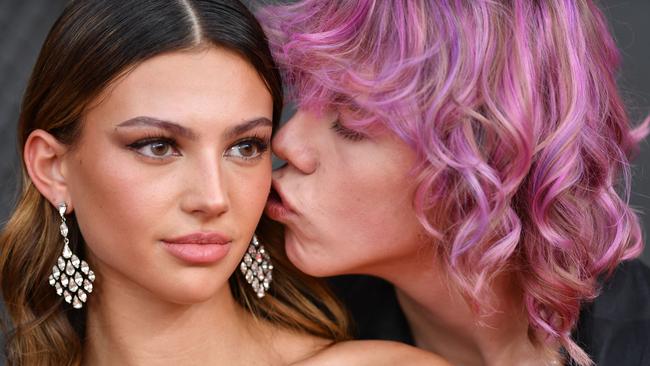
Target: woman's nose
207,195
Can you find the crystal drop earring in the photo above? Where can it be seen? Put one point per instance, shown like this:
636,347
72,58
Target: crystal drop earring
71,277
257,268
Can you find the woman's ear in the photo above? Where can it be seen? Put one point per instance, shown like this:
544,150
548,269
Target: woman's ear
43,156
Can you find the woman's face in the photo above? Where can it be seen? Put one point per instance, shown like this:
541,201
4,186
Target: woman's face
171,173
346,200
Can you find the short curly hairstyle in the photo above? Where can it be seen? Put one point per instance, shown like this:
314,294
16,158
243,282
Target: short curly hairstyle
523,141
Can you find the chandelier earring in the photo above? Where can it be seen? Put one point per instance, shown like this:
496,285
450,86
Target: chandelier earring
257,268
71,277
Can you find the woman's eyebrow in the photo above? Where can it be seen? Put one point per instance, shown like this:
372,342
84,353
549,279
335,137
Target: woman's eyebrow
247,126
177,129
172,127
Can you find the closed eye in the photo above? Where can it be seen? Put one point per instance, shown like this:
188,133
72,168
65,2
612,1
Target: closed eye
346,133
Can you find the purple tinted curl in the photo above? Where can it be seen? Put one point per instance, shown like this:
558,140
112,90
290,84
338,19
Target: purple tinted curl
522,139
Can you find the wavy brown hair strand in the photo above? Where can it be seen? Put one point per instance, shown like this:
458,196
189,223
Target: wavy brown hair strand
90,46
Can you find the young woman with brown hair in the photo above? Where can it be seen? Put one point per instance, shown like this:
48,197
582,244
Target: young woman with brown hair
145,132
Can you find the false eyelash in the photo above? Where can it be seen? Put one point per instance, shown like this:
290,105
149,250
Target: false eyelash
262,145
153,138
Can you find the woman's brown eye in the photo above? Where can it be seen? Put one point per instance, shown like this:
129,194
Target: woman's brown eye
248,149
156,148
159,148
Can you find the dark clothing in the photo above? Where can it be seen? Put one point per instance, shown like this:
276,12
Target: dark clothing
614,329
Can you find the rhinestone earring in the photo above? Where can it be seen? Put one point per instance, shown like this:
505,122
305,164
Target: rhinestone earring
257,268
72,278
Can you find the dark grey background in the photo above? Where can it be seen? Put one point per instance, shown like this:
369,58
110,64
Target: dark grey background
24,24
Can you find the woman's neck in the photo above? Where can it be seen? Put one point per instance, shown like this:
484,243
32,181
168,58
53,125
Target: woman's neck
128,326
442,322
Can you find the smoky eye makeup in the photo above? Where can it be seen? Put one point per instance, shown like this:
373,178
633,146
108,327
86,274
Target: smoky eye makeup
158,141
162,147
154,146
248,148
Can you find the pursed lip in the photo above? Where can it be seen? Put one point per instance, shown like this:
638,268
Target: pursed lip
283,198
200,238
277,206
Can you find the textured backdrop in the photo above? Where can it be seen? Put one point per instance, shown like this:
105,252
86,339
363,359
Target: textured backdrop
24,23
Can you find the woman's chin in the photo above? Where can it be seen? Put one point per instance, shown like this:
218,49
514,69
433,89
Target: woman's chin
195,297
192,291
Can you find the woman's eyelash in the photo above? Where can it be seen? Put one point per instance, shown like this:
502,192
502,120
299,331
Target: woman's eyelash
151,139
262,140
248,148
347,133
159,148
260,143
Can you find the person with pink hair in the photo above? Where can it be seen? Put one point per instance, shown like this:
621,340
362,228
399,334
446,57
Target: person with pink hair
475,155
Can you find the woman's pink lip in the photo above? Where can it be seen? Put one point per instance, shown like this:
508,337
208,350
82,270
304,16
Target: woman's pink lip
200,238
198,248
198,253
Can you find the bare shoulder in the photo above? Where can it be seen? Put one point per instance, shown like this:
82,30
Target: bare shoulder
375,353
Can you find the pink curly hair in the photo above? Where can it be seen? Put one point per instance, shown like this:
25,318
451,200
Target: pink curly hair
521,135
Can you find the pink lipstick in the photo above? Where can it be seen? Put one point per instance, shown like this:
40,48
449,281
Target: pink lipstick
199,248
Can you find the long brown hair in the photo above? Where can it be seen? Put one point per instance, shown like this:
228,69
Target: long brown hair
93,43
